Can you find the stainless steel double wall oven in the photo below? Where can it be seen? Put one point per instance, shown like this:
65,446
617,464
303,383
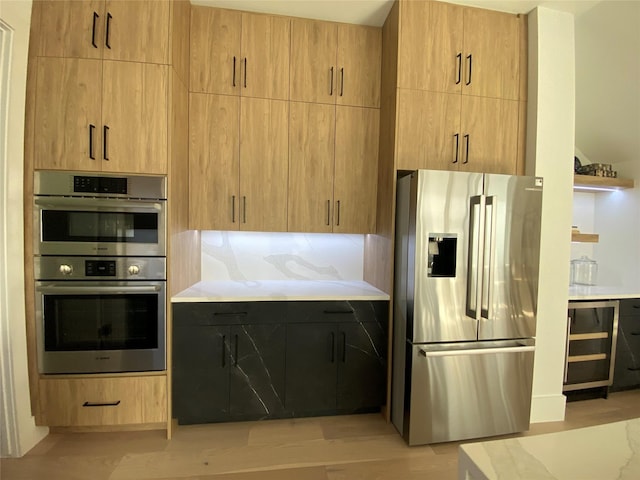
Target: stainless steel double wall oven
100,272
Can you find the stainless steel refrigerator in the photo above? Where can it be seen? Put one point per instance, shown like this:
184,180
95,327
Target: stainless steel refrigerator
465,297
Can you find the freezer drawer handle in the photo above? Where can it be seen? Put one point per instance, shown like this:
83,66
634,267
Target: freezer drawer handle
476,351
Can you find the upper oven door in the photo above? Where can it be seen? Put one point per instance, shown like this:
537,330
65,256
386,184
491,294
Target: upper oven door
99,226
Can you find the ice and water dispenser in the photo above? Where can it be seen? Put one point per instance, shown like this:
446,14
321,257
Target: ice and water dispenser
442,255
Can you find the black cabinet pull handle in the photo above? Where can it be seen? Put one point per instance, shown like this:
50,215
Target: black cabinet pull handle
91,129
245,72
634,369
328,212
459,76
233,209
93,30
230,314
636,306
233,84
331,81
107,40
338,213
469,57
466,155
244,209
105,154
457,137
333,347
338,312
635,333
224,356
344,347
235,353
101,404
341,81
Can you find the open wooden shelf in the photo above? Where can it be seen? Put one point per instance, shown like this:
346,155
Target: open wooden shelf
585,237
590,182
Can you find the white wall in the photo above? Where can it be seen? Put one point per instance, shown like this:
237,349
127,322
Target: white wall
608,129
550,148
18,426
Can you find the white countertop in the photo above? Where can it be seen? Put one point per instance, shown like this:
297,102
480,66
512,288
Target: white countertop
602,292
610,451
275,290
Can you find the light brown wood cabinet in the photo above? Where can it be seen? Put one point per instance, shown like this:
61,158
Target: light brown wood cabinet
335,63
83,401
444,131
449,48
238,163
239,53
332,168
135,31
101,116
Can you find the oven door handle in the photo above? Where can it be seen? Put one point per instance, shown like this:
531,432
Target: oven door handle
92,203
89,289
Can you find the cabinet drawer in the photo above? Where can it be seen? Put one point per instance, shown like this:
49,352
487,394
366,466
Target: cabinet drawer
103,401
340,311
588,371
227,313
630,307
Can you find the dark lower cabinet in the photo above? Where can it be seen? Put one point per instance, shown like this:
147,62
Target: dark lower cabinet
257,373
254,360
335,367
627,367
200,374
362,371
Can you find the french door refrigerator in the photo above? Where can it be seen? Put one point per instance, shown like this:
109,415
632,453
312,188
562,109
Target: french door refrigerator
465,297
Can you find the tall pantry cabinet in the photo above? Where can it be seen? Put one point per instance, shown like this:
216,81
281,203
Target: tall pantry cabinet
106,84
238,120
333,127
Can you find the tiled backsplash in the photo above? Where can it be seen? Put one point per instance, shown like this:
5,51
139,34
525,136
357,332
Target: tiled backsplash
243,256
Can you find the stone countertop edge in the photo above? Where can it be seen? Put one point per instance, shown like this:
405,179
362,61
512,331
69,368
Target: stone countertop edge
602,292
279,290
598,452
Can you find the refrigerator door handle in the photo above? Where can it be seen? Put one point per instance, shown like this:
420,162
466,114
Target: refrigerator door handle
476,245
476,351
488,256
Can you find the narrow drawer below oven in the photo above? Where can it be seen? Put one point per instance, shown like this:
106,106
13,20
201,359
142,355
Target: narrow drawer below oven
66,402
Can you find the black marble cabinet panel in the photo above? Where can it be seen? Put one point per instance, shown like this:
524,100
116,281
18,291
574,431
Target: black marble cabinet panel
362,365
200,374
627,367
311,367
257,371
253,360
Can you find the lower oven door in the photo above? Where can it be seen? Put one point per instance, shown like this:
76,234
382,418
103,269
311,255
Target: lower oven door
100,327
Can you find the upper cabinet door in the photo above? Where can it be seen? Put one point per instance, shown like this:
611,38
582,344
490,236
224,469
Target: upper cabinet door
213,161
356,169
358,66
72,29
313,61
264,164
489,135
137,31
265,56
215,51
67,118
311,164
135,117
430,46
491,60
428,131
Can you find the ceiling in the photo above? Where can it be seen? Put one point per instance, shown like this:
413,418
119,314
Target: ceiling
374,12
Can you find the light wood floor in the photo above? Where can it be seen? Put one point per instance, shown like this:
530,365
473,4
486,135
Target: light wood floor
355,447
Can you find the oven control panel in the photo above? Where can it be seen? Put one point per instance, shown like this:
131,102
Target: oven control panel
100,268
